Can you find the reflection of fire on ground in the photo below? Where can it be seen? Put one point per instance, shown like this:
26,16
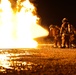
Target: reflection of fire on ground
19,26
32,61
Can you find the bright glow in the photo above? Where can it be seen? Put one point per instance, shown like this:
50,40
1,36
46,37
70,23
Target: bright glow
4,60
17,30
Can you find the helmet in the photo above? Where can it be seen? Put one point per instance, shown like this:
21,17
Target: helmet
51,26
64,20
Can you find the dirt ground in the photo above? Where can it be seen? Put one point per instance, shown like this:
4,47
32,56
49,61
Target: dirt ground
43,60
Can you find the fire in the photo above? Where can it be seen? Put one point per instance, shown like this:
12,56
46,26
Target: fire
19,28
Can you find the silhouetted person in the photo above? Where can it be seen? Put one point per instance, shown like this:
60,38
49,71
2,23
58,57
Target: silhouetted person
55,33
64,31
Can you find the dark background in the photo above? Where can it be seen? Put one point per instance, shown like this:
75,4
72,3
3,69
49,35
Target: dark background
53,11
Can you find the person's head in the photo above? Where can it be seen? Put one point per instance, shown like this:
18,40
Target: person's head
51,26
57,26
64,20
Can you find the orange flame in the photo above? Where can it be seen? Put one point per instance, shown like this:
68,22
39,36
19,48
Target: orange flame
17,30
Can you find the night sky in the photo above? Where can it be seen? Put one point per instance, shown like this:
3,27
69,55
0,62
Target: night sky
53,11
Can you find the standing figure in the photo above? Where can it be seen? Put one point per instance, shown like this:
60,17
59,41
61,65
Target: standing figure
55,33
57,37
51,30
64,33
72,40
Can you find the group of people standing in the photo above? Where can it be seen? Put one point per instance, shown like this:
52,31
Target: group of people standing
64,36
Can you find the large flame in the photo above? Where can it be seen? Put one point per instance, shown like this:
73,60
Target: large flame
17,29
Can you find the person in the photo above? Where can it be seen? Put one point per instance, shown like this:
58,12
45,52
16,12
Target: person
55,33
72,40
64,32
51,28
57,37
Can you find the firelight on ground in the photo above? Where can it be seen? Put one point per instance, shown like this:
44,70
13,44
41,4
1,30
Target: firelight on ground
19,26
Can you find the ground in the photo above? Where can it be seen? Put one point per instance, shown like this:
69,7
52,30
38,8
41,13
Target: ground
43,60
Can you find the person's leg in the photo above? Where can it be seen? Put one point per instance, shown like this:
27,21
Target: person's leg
63,41
59,42
55,42
67,41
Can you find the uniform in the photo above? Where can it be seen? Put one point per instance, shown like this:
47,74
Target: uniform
57,37
55,33
64,33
